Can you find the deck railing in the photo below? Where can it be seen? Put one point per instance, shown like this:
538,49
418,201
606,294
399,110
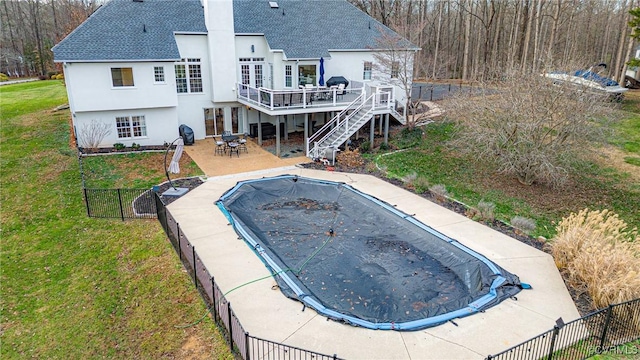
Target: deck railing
297,98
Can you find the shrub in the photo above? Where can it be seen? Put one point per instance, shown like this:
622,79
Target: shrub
91,134
409,137
486,210
59,77
365,146
42,77
135,146
599,253
523,224
350,158
384,146
118,146
421,184
440,192
3,77
409,178
370,167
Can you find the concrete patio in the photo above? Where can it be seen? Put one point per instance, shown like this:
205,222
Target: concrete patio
268,314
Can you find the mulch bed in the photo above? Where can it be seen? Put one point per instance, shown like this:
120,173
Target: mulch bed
112,150
189,183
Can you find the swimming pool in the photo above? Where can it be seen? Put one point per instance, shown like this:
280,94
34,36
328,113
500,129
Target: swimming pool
359,260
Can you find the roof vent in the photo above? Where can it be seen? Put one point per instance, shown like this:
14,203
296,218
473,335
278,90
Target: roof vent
273,4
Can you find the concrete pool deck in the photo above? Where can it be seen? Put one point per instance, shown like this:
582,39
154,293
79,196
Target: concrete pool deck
267,313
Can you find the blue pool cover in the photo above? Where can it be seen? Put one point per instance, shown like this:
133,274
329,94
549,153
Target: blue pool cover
359,260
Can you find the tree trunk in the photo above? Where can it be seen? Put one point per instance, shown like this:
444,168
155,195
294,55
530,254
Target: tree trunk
527,37
438,30
467,44
552,36
618,74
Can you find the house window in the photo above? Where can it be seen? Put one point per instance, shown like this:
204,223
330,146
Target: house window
288,76
158,73
122,77
395,69
129,127
258,75
191,81
181,79
306,74
246,77
366,73
195,78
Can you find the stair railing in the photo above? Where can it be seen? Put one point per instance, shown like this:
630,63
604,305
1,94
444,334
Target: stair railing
340,122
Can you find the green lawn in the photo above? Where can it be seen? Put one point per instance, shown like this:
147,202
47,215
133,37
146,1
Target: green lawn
134,170
470,182
72,286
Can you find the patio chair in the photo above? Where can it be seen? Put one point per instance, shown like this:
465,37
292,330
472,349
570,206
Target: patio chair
265,99
340,91
221,147
242,143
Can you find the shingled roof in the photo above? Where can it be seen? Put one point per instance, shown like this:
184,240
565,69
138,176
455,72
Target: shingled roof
306,29
132,30
123,30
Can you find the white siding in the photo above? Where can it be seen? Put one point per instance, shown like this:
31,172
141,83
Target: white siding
161,124
219,19
191,105
93,90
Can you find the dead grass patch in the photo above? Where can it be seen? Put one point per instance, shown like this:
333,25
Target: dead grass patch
609,156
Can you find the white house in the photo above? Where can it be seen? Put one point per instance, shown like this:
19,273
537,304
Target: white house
144,67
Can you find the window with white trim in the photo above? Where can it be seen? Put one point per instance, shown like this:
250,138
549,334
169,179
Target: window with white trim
158,74
131,127
366,72
121,77
395,69
288,76
246,79
188,76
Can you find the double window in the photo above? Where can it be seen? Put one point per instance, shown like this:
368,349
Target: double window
129,127
188,76
366,73
121,77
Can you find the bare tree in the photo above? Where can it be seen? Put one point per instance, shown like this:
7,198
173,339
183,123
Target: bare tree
91,134
394,63
528,127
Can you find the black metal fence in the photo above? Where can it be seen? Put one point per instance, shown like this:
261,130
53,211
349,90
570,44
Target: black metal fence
120,203
245,345
599,332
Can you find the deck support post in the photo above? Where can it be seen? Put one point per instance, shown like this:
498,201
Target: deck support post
259,128
306,134
286,128
372,129
278,135
386,129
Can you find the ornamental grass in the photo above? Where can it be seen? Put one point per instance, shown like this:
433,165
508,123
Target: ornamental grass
599,254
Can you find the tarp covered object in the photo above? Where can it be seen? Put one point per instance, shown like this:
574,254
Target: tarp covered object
357,259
